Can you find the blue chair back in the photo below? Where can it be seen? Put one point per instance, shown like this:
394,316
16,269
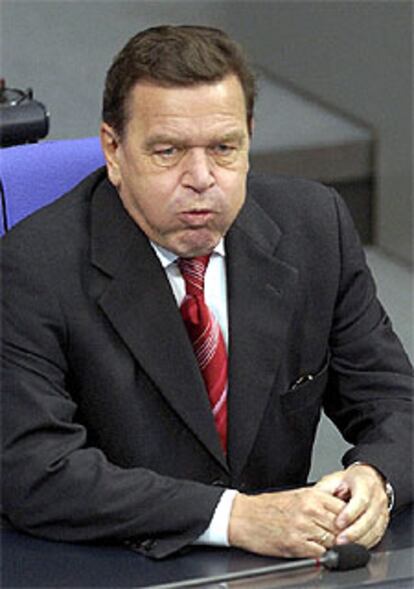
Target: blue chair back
36,174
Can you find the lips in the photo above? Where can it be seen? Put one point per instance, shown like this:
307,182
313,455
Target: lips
196,218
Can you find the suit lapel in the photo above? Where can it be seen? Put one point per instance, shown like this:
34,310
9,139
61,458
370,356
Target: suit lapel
133,292
260,305
137,299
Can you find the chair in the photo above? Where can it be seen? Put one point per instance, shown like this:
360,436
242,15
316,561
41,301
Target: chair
35,175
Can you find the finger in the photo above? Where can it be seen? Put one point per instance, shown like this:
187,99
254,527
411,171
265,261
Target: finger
330,482
321,515
326,522
334,492
306,548
354,509
366,488
332,504
325,538
372,525
336,488
343,492
365,500
373,536
313,543
315,549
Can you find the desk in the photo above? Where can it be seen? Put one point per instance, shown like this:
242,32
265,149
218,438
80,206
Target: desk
30,562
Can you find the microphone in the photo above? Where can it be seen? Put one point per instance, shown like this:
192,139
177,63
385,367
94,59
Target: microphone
340,558
345,557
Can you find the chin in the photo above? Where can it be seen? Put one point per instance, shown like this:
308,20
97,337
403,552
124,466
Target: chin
191,250
195,252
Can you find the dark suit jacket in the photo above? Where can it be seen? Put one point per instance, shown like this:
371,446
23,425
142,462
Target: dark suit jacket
107,428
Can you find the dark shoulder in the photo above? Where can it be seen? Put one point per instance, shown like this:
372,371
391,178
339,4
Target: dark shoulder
289,196
306,211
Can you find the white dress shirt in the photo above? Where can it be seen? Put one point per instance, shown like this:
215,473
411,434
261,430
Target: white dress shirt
215,294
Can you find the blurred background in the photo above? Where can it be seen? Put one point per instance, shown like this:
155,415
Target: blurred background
335,104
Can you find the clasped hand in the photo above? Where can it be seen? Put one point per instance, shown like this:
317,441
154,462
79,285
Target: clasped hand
345,506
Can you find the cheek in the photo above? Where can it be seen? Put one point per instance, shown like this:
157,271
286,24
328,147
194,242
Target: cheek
155,192
233,187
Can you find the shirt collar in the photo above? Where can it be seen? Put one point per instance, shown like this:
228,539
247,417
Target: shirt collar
167,258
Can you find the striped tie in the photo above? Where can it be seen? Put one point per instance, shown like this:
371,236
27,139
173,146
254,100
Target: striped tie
207,340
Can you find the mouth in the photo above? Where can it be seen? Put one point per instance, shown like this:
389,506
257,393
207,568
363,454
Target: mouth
196,218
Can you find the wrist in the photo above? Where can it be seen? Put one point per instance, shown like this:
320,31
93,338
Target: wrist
237,520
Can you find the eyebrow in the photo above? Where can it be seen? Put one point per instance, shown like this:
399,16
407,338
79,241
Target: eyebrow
230,137
160,139
165,139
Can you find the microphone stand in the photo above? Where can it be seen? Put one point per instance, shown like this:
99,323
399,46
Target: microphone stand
257,572
345,557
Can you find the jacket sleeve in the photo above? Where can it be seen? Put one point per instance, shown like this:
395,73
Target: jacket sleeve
370,397
55,484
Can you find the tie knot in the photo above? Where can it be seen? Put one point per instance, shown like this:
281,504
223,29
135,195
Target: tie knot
193,271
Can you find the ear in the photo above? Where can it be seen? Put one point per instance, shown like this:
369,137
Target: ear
110,146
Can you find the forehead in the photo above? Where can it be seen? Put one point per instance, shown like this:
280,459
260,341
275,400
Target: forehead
204,108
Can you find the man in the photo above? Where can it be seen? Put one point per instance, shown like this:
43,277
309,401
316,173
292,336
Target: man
118,423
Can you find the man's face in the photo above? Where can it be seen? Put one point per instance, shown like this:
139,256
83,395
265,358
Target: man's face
181,166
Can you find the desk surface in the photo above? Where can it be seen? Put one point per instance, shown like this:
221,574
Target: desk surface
30,562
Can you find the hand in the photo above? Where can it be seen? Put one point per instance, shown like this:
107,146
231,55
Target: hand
365,517
297,523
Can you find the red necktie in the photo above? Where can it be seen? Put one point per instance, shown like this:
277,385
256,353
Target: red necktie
207,340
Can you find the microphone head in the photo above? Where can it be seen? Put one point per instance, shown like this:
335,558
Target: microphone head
345,557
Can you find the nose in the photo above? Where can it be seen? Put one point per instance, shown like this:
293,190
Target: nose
197,170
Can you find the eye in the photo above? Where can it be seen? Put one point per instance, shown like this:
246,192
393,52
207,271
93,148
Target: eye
166,152
167,155
223,149
224,154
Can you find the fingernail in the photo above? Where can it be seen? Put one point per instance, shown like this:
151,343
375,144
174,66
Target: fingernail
342,539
